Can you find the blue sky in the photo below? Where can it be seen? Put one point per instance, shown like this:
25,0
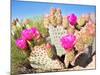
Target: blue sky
21,9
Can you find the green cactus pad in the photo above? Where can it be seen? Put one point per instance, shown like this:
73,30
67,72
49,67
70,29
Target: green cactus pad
55,36
81,21
69,56
39,59
78,27
52,53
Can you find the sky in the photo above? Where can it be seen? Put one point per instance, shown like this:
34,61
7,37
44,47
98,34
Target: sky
21,9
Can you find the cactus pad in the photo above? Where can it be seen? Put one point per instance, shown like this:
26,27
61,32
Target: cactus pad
39,59
55,36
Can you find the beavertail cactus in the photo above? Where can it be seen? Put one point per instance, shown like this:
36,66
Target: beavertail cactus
59,19
52,17
68,43
70,30
55,36
53,11
51,51
69,57
81,22
39,59
58,11
85,38
59,16
79,45
65,22
53,20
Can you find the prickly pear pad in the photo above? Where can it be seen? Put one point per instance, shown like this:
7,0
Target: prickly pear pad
55,36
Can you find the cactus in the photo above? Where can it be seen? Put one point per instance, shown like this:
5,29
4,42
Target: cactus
53,11
52,17
70,30
53,20
65,22
58,16
87,39
55,35
39,59
59,19
51,51
84,40
79,45
81,22
69,56
68,42
58,11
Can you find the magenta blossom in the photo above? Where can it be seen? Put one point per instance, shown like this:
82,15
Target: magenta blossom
36,33
72,19
68,41
30,34
27,34
22,44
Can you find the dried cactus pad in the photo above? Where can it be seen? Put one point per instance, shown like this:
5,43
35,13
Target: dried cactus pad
55,35
39,59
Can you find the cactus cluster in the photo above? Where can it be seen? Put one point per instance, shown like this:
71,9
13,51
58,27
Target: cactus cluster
68,34
85,36
82,27
55,18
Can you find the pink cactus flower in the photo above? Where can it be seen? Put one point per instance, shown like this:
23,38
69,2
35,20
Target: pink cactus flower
68,41
36,33
27,34
72,19
21,43
30,34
